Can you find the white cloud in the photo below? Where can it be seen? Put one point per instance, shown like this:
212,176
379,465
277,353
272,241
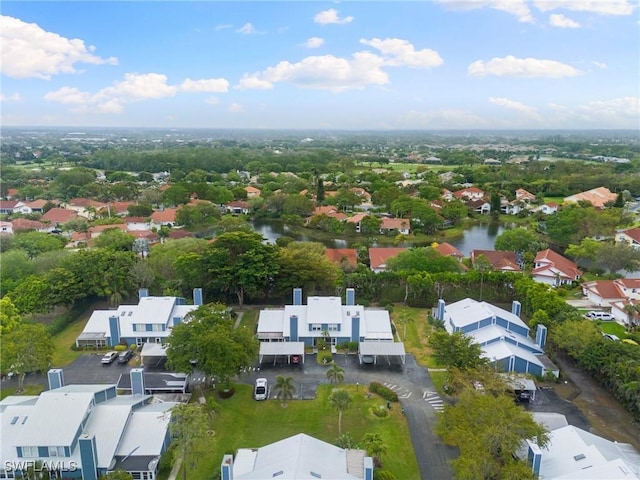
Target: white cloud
615,110
518,8
247,29
511,66
135,87
325,72
28,51
205,85
14,97
223,26
330,16
516,106
398,52
235,108
601,7
313,42
560,21
212,101
601,65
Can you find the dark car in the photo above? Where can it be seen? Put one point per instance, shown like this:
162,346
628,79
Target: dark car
125,356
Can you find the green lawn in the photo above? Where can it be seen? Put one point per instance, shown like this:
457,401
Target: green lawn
250,318
28,390
245,423
418,330
613,328
63,355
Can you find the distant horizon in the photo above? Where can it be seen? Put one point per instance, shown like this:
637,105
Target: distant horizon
440,65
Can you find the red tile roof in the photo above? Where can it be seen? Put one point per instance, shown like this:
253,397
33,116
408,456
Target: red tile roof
633,233
550,258
448,250
59,215
500,260
85,202
168,215
378,256
26,224
394,223
339,255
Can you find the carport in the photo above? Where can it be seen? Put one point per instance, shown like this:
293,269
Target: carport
153,354
377,349
521,383
276,349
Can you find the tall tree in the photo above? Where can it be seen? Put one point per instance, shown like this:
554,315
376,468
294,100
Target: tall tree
28,348
488,430
240,263
423,259
305,265
10,319
208,338
335,373
188,427
456,350
320,191
284,389
340,400
520,240
115,239
375,446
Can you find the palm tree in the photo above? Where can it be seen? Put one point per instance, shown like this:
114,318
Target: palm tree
340,400
630,310
374,445
335,374
284,389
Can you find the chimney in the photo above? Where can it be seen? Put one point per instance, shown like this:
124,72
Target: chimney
351,296
56,378
534,457
541,335
226,467
297,296
88,457
114,331
368,468
441,305
515,308
137,381
197,296
143,292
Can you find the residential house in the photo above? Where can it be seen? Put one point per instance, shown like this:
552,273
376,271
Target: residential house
502,261
342,256
299,456
513,207
252,192
553,269
447,195
630,236
573,453
479,206
391,225
24,224
58,216
469,193
85,207
598,197
492,162
357,220
523,195
625,312
151,320
548,208
503,336
137,223
116,209
37,206
166,217
98,230
237,207
286,331
362,193
604,292
84,431
8,207
449,250
379,256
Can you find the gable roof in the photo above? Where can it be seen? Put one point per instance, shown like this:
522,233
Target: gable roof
394,223
596,196
448,250
338,255
59,215
550,258
166,215
378,256
499,259
633,233
26,224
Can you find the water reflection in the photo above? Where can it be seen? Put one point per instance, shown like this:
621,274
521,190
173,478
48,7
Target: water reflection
477,237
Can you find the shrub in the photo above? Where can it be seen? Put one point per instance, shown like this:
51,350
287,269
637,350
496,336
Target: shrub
120,348
325,357
383,475
353,346
384,392
380,411
60,323
133,347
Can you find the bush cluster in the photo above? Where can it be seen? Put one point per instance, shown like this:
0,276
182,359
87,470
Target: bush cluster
380,411
325,357
384,392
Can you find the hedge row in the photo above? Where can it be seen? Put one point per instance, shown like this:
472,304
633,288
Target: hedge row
384,392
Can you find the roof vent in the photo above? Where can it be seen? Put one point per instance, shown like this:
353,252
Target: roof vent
579,457
315,475
277,474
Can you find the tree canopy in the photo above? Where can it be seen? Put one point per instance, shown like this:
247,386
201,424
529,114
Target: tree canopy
456,350
423,259
208,339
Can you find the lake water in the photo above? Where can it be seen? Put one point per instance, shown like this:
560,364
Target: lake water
478,237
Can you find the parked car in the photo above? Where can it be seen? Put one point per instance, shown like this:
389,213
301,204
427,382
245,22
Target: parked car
125,356
295,358
610,336
109,358
596,315
260,392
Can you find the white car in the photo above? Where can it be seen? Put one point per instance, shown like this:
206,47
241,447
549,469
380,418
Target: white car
260,391
109,358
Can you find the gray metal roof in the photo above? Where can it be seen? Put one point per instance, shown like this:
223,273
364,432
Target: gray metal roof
382,348
281,348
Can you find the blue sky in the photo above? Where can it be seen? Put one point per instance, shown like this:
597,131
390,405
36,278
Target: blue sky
441,64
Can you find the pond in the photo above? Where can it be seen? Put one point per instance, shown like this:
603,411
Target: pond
478,237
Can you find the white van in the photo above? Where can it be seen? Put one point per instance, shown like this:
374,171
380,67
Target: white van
595,315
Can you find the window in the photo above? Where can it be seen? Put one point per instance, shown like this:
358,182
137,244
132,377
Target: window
316,327
130,313
123,314
29,452
56,451
333,327
157,327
